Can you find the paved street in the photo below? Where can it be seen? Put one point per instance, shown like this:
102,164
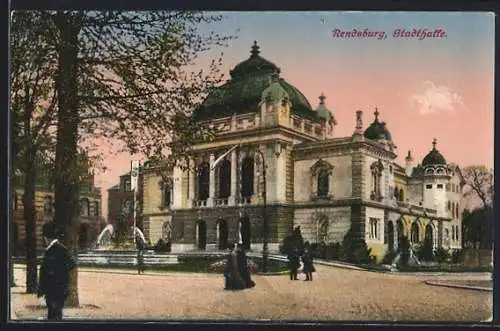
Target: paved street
335,294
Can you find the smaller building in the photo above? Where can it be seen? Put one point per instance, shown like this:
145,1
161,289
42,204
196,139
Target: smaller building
121,201
90,214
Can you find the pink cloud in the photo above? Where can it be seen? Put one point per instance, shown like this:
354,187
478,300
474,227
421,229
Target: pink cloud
436,98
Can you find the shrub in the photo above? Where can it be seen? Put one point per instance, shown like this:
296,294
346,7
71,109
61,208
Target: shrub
318,250
404,249
333,251
389,256
355,249
442,255
457,256
426,253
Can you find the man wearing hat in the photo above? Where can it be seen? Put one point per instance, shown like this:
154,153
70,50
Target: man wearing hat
54,273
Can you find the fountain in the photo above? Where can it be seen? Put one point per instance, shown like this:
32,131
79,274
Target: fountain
108,253
104,240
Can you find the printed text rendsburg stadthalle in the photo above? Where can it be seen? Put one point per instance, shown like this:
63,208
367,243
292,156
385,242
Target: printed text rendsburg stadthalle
420,34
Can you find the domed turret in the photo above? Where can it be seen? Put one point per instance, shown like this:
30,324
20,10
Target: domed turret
377,130
434,157
275,93
323,112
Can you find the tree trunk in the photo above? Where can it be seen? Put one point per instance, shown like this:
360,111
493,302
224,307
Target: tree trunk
29,212
66,176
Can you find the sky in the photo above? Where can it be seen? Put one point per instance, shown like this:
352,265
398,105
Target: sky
438,87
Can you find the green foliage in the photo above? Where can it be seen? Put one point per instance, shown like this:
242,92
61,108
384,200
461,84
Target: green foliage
389,257
426,251
355,249
404,249
442,255
477,227
457,256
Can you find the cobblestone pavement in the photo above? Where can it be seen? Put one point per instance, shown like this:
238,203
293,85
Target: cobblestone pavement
335,294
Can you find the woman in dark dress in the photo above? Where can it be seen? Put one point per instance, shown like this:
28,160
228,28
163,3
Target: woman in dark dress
243,267
233,278
307,260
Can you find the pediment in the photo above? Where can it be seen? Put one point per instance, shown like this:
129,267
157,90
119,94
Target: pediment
321,165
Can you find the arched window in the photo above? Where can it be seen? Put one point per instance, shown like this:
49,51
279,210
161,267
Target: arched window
396,194
84,207
401,194
323,225
225,179
167,196
456,211
203,181
376,178
414,233
449,205
453,232
247,177
96,208
323,183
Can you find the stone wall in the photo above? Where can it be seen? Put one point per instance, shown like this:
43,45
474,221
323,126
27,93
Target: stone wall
341,184
339,219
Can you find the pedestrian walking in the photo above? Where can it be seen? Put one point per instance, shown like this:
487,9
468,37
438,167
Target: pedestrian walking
140,261
294,263
307,260
54,273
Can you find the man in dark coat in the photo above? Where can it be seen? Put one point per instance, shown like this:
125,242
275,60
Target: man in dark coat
54,273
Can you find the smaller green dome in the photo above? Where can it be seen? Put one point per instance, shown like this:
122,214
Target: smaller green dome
377,130
323,112
275,93
434,157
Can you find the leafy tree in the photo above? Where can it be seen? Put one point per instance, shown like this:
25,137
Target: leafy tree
426,251
477,227
32,113
479,183
127,76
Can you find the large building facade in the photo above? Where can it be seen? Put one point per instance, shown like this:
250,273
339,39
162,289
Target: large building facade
324,183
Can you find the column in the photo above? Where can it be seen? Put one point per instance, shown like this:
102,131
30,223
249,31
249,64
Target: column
211,191
234,169
192,187
280,175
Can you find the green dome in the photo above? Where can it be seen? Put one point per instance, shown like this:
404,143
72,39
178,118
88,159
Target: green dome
377,130
243,92
323,112
434,157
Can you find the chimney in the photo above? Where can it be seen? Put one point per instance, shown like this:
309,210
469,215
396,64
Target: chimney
409,164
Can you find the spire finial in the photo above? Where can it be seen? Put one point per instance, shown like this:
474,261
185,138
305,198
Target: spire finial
255,49
322,99
376,114
434,142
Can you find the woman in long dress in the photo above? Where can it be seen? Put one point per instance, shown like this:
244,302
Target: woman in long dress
243,267
307,260
233,278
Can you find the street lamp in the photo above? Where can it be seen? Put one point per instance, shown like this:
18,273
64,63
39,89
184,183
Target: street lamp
265,251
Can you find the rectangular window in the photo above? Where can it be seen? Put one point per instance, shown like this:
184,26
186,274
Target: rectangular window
428,186
440,186
448,187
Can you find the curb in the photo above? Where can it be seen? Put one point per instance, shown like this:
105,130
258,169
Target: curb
466,287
